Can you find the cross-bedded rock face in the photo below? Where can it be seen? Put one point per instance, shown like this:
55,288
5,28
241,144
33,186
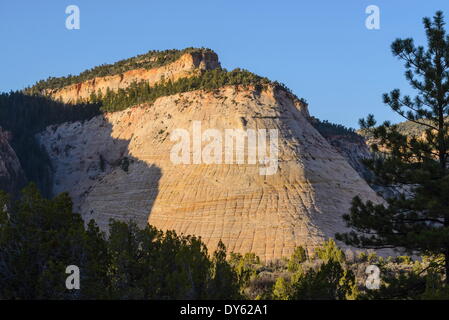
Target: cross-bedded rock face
118,166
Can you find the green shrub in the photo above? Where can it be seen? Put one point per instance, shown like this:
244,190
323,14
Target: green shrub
298,257
282,289
330,282
330,251
245,267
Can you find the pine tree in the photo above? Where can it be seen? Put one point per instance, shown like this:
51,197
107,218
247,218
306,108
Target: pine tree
224,282
417,219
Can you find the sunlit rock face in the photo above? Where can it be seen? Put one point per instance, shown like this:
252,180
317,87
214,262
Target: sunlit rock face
119,166
187,65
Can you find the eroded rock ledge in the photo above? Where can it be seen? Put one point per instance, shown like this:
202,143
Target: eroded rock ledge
187,65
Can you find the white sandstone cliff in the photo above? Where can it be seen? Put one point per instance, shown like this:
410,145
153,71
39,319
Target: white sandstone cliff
118,166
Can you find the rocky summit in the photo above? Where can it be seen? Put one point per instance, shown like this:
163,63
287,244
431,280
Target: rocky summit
118,165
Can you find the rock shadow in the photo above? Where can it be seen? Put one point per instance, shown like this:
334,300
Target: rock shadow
94,165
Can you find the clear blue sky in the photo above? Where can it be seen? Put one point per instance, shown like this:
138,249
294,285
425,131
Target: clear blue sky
320,49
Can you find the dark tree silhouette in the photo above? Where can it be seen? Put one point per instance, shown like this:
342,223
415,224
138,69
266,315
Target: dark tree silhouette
417,219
